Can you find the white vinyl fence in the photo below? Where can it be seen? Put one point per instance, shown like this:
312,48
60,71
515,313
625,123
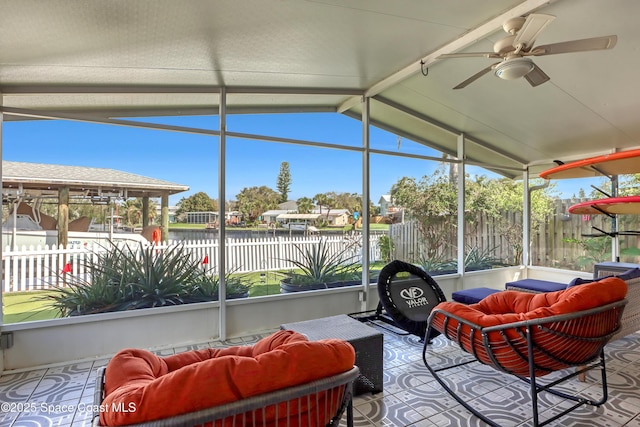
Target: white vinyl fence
31,268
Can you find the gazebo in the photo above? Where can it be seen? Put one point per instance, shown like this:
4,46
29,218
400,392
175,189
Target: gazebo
23,180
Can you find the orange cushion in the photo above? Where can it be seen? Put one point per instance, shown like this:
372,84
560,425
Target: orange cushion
513,306
163,387
501,308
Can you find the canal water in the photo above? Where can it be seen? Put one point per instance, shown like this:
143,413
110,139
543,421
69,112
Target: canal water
200,234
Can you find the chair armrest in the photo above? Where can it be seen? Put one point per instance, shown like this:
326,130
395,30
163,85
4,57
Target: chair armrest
337,384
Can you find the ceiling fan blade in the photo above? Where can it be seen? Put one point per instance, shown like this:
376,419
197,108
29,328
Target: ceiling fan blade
536,76
595,43
532,27
470,55
476,76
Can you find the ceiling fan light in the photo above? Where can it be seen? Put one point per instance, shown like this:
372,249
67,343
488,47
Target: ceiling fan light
514,68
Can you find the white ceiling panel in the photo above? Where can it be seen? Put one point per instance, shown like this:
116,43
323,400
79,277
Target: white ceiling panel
136,58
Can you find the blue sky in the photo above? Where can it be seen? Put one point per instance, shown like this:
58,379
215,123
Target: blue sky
192,160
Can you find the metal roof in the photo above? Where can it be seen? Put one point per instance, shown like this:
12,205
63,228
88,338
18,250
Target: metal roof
45,179
101,60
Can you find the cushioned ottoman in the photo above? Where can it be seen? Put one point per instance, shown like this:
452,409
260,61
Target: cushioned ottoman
534,285
473,295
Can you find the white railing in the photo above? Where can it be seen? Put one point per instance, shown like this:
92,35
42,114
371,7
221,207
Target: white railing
28,269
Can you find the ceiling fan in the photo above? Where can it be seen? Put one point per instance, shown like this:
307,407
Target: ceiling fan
515,49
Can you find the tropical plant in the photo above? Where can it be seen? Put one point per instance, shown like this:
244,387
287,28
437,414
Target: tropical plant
475,259
253,201
481,259
120,277
305,205
319,264
386,247
207,287
199,202
436,264
159,278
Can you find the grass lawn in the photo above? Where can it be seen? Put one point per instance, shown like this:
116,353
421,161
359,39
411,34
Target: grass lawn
184,225
29,306
379,227
268,283
25,307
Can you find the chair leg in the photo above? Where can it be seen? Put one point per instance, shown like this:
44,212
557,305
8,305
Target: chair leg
536,389
350,414
444,385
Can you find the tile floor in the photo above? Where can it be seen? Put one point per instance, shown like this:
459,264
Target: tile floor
60,396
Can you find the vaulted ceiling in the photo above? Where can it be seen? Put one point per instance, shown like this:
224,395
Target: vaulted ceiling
123,58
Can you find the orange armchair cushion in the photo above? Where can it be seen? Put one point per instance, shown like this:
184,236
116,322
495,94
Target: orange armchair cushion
514,306
570,347
160,387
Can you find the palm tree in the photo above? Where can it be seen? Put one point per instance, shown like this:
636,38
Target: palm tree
132,211
320,199
329,203
305,205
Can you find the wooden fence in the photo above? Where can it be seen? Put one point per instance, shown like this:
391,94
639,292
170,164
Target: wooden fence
42,268
552,246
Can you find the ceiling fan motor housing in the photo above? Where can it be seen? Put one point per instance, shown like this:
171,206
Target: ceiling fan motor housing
513,25
514,68
504,46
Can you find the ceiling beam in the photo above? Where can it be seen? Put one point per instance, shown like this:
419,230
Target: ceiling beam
447,128
15,90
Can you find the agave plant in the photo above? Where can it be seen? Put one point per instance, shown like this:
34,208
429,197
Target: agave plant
125,278
436,264
481,259
206,288
319,264
103,288
475,259
160,278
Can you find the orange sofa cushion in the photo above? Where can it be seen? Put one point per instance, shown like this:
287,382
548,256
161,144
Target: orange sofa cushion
515,306
160,387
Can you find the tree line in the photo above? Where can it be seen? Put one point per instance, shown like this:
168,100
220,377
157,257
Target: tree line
252,202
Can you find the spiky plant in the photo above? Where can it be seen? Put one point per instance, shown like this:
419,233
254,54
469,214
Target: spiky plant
208,285
124,278
319,264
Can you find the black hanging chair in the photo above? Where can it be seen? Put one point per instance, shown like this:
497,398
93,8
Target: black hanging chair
407,296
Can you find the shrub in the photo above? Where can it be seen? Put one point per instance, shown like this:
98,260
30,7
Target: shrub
386,247
125,278
317,264
206,288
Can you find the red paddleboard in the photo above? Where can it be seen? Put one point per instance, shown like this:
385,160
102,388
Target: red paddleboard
622,163
627,205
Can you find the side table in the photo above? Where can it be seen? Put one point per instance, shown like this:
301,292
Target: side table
366,341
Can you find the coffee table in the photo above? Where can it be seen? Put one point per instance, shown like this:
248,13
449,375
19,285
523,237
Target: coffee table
366,341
